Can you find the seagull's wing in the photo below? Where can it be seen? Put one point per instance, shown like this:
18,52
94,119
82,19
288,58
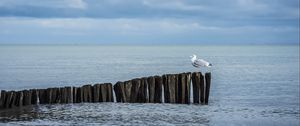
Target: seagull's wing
195,65
201,62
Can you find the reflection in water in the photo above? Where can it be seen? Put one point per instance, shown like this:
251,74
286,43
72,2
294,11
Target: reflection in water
147,114
105,113
27,113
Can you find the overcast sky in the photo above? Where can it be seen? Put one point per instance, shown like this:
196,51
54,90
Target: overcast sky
149,21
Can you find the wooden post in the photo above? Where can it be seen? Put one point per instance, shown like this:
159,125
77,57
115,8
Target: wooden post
42,96
181,88
9,99
110,92
74,94
188,87
170,88
34,96
151,88
68,94
54,95
158,89
19,99
48,95
87,93
96,93
13,100
27,97
135,90
196,87
104,93
128,85
146,89
207,86
63,98
122,91
201,86
2,99
79,95
176,88
117,91
141,95
172,81
166,89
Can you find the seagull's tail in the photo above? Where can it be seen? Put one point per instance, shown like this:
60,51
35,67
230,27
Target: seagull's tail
210,64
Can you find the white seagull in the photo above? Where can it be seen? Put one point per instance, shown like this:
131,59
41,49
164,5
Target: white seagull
199,62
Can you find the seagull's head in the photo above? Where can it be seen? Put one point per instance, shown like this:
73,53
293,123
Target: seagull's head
192,56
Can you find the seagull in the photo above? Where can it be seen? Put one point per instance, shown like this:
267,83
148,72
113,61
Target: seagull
199,62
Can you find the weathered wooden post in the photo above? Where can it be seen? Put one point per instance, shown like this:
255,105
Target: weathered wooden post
14,100
48,95
68,93
42,96
207,86
122,90
110,92
166,91
117,91
52,95
34,96
63,96
151,89
143,91
26,97
87,93
188,87
181,88
79,95
170,88
196,86
158,89
74,94
2,99
19,99
176,88
104,93
145,84
201,88
128,85
135,90
96,93
9,99
173,88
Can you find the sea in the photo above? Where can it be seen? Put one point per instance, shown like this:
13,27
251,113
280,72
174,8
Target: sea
251,84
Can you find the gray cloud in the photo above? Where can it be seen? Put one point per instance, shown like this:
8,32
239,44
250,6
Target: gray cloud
151,8
133,20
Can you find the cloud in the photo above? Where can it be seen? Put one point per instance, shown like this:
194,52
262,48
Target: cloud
174,5
76,4
150,20
132,30
151,8
12,4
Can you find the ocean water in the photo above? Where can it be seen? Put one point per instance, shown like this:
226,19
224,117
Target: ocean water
251,85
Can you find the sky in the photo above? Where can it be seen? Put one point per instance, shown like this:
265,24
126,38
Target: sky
149,21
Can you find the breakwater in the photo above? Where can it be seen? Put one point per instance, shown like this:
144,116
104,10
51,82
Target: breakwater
168,88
